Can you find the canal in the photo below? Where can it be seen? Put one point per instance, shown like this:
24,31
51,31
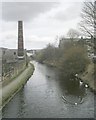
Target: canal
47,94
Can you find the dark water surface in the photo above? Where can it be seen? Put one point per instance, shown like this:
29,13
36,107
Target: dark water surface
42,97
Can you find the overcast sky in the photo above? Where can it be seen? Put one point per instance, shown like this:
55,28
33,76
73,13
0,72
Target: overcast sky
42,21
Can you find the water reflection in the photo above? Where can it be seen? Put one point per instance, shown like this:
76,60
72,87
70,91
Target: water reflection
73,90
42,97
21,103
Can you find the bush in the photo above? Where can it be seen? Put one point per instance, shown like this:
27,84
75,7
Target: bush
40,56
46,54
74,60
71,58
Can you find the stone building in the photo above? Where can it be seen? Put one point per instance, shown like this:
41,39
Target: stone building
14,60
63,40
10,55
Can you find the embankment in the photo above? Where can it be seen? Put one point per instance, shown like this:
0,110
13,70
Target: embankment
88,77
12,88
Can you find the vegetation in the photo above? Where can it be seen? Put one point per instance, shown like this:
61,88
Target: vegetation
74,60
46,54
17,84
88,22
71,58
72,33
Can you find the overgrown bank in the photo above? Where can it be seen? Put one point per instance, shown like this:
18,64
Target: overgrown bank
11,89
71,59
88,77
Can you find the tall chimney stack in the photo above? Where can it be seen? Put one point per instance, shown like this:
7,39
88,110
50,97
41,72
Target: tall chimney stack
20,40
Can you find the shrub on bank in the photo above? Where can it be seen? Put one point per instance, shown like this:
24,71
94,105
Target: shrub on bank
71,58
74,60
47,54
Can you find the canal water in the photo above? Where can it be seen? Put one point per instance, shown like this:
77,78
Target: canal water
47,94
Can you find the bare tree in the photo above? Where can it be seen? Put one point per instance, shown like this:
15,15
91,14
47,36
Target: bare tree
72,33
88,23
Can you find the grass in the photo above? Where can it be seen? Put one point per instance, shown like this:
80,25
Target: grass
11,89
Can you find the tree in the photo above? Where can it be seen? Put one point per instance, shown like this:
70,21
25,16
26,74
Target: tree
88,23
72,33
74,60
46,54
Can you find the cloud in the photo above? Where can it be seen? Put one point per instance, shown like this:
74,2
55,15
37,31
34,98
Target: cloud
49,24
36,45
35,42
43,21
43,0
10,40
14,11
68,13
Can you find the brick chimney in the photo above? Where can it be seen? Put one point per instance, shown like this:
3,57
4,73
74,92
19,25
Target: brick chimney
20,40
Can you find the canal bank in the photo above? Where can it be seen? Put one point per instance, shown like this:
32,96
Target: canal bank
12,88
41,97
88,77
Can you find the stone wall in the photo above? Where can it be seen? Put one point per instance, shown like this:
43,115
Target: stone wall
14,70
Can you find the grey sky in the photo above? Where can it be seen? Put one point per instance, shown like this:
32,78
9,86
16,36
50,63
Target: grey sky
43,21
26,11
